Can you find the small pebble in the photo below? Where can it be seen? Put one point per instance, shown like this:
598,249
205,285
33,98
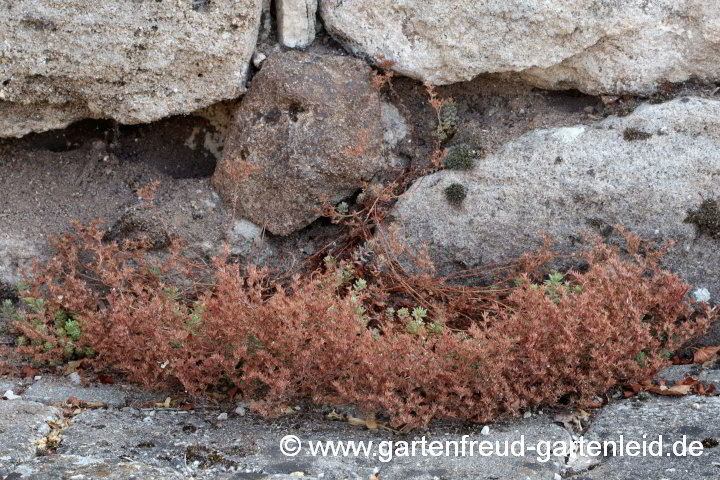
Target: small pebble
38,377
10,395
75,378
643,396
702,295
696,406
147,420
258,58
485,430
222,416
240,411
527,414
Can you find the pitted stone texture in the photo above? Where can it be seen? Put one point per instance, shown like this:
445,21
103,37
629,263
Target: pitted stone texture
196,445
49,389
635,420
22,423
308,133
645,171
16,256
135,62
597,47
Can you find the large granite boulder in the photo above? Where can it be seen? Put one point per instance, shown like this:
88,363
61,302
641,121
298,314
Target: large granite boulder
656,172
132,61
597,47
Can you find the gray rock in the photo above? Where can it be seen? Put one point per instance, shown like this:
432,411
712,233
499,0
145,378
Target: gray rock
8,384
22,423
16,256
646,171
57,390
64,60
247,241
80,467
673,418
611,46
311,133
677,373
395,128
296,22
195,444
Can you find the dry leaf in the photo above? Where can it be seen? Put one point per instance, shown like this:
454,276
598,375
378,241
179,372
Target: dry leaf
358,422
165,404
675,390
705,354
231,393
106,379
72,367
334,416
78,404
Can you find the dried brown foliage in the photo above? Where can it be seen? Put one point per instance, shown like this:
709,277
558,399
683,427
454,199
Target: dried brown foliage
379,80
377,331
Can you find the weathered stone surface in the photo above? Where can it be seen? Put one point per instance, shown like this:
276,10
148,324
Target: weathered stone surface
610,46
646,171
310,131
79,467
16,256
296,22
247,242
639,421
194,444
676,373
57,390
22,423
394,124
63,60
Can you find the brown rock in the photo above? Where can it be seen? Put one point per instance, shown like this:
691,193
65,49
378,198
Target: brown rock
309,132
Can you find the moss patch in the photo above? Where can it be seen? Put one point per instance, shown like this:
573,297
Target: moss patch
635,134
455,194
460,158
706,218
